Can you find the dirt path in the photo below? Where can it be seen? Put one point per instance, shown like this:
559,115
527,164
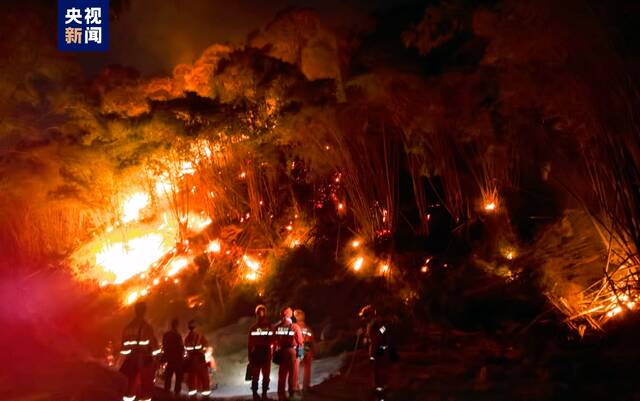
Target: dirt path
466,367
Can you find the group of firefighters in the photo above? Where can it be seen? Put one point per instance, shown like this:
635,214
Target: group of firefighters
288,344
180,356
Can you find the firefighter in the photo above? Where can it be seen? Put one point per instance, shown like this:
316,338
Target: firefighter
196,368
173,356
288,340
307,357
139,345
260,352
381,352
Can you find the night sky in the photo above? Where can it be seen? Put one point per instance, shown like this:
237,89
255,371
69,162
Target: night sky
154,36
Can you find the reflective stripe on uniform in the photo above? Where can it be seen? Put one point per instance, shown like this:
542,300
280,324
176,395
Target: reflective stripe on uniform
156,352
206,393
383,329
133,343
261,332
193,392
125,352
194,342
125,398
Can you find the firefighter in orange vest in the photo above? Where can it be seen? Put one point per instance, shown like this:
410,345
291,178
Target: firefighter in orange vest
195,345
260,352
381,352
139,346
289,340
307,357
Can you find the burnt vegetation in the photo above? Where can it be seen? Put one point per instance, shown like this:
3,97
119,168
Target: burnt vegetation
466,166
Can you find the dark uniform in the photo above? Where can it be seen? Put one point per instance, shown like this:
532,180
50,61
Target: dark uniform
173,355
382,353
260,351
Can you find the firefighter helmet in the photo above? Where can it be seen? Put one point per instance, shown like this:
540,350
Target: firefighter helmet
367,312
286,312
260,307
299,315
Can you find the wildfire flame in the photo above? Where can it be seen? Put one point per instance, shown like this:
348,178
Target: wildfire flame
251,276
202,222
214,246
126,259
145,248
509,253
253,266
357,264
132,297
133,205
489,207
177,265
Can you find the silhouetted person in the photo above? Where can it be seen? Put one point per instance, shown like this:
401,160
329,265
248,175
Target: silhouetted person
382,353
139,344
173,355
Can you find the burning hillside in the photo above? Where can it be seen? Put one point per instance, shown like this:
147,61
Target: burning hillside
459,166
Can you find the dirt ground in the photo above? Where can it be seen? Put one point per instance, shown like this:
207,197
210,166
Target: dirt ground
455,366
438,366
464,367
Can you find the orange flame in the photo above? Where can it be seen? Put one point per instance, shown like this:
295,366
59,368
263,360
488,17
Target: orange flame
133,205
357,264
126,259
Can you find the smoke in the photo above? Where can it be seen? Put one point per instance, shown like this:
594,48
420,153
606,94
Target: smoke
155,36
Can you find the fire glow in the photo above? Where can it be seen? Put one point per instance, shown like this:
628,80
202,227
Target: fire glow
133,205
490,207
357,263
177,265
214,246
126,259
253,268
